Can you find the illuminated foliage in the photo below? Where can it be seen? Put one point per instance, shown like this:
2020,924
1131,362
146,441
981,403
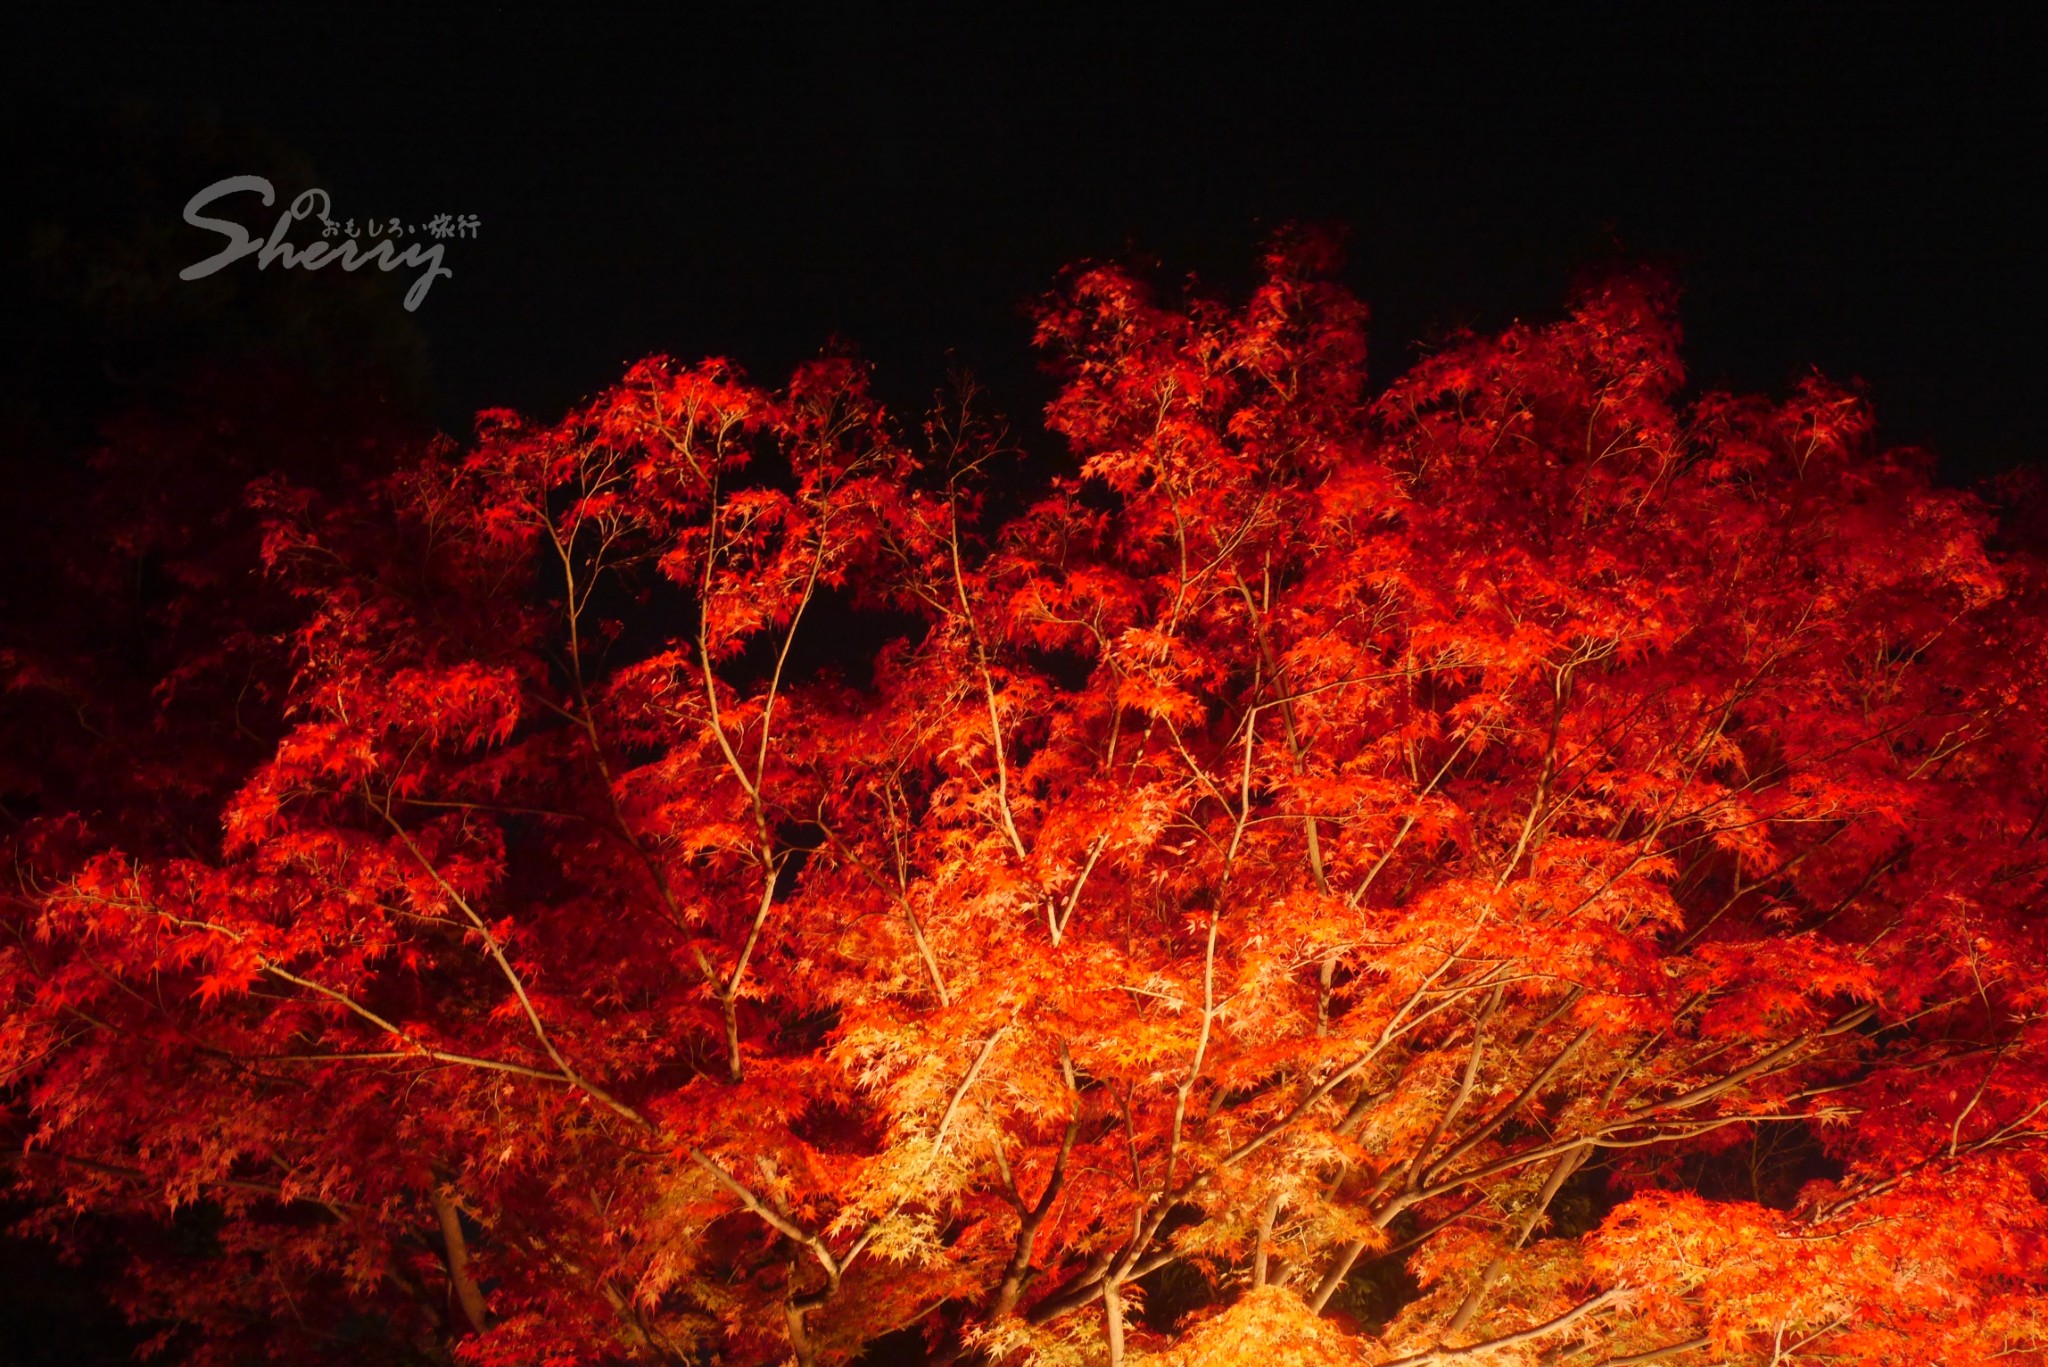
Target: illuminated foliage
1566,853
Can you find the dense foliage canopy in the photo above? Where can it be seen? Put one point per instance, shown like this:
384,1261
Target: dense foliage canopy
1520,867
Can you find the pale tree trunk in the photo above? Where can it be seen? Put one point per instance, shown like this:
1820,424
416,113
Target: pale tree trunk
467,1292
1261,1260
1113,1306
799,1335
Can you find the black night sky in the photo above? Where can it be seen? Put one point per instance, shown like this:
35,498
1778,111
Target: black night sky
1856,188
1852,188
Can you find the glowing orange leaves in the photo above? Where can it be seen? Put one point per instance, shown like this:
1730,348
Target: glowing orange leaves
1571,846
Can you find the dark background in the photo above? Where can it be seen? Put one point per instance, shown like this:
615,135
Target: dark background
1855,188
1852,187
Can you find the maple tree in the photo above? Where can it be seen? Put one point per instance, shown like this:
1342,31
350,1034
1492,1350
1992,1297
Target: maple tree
1522,866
